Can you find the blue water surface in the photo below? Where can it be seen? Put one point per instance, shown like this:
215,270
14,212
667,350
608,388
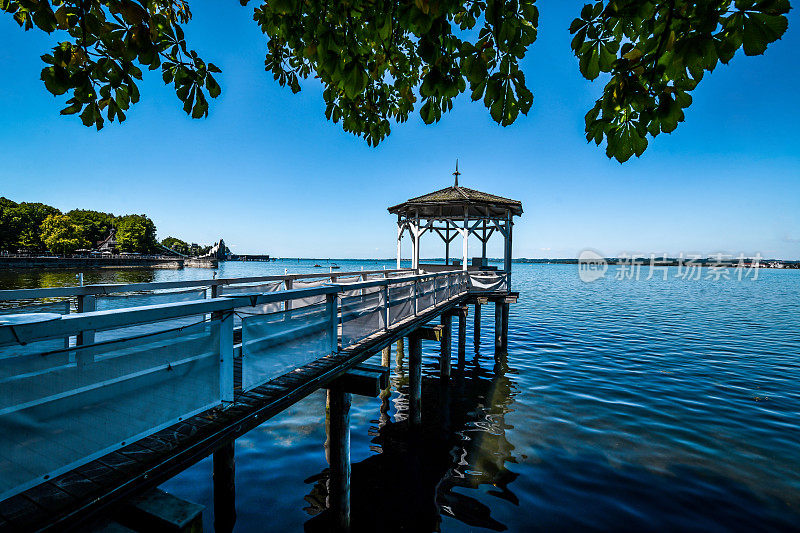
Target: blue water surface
624,404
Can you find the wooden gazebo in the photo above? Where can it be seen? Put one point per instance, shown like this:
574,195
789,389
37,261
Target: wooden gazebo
457,211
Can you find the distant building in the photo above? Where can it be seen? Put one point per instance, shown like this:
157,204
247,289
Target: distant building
109,244
219,251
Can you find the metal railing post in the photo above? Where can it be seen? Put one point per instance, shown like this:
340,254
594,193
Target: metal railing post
416,281
333,314
386,304
226,356
287,305
86,304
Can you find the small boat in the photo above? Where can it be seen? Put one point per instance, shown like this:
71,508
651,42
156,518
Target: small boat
317,266
335,267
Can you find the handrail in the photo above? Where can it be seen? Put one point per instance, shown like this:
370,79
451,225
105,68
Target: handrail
70,324
390,281
127,316
109,288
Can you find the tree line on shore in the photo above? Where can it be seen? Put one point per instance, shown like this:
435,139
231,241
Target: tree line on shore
38,227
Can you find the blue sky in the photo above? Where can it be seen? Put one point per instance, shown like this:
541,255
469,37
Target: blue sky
270,174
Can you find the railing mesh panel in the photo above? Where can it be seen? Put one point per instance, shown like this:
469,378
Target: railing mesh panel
311,300
256,309
441,288
64,408
119,301
276,343
362,316
425,294
401,302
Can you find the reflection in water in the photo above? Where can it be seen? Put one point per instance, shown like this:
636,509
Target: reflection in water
36,278
417,478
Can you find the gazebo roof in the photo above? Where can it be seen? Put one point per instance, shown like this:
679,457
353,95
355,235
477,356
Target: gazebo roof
451,202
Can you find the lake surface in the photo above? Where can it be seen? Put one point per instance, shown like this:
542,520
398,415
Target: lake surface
621,404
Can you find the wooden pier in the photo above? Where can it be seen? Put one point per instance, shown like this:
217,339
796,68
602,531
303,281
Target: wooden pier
101,405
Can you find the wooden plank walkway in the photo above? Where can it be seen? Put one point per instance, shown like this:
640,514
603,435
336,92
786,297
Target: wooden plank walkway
70,499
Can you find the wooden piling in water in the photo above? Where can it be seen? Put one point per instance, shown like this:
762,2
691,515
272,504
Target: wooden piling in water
414,379
462,335
476,333
400,354
387,392
446,346
339,481
498,326
385,355
505,325
224,488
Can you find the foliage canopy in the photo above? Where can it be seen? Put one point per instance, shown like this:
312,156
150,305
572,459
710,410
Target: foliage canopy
36,227
61,234
379,60
136,233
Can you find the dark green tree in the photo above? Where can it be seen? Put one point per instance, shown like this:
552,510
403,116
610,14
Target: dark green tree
26,220
136,233
95,225
9,227
379,60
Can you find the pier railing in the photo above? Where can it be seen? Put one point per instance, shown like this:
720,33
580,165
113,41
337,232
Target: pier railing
74,387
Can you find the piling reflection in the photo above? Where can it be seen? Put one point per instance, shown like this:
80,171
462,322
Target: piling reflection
421,476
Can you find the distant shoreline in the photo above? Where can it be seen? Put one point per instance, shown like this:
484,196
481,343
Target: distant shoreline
172,263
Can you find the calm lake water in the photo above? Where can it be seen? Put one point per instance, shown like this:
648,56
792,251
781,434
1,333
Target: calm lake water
621,404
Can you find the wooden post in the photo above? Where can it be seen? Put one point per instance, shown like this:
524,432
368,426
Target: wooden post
414,379
505,325
387,392
444,357
462,335
498,326
399,355
476,333
225,488
339,483
385,355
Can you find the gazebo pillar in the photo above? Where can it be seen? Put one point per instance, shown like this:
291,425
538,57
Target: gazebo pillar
415,233
483,244
399,241
447,243
465,243
507,255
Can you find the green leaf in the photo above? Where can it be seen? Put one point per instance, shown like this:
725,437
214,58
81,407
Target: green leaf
72,109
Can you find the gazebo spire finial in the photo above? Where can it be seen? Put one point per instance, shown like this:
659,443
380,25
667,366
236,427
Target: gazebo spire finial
456,173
